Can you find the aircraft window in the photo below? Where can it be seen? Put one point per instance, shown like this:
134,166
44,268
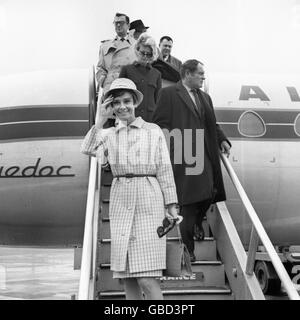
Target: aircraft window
297,125
251,125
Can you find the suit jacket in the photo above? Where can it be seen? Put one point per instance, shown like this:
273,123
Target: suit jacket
175,109
168,72
174,62
113,54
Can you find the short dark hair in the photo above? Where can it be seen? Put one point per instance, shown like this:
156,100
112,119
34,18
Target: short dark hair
119,92
189,65
118,14
165,37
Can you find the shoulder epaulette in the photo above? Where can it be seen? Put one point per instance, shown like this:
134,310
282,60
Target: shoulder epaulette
105,41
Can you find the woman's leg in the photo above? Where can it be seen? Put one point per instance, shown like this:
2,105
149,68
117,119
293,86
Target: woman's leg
132,289
151,288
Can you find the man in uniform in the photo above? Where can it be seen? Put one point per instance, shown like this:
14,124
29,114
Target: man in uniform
114,54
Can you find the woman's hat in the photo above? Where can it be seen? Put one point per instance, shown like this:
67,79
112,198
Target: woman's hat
126,84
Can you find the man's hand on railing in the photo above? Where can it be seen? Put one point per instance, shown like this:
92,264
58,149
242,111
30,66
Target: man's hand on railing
225,148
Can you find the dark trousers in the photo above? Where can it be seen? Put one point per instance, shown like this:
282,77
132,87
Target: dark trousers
193,214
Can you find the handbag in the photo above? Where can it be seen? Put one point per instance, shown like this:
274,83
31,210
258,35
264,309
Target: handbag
178,262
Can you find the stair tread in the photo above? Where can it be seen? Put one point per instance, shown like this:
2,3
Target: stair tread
193,290
169,239
106,219
195,263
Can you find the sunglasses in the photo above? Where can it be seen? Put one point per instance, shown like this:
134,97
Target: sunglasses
166,227
146,54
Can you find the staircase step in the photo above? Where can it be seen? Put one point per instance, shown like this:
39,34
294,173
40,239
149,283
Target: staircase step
196,293
205,226
205,274
104,232
204,250
104,208
106,178
105,193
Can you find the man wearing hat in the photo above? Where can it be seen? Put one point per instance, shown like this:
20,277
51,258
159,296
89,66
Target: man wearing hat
142,188
138,27
113,54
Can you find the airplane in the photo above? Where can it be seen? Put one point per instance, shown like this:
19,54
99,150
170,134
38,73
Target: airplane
261,116
44,116
44,178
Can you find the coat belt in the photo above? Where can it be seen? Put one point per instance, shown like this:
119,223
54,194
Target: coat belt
133,175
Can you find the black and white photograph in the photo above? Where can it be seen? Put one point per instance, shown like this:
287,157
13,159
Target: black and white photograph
150,150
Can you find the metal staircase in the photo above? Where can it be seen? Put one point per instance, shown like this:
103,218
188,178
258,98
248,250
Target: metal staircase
223,270
208,280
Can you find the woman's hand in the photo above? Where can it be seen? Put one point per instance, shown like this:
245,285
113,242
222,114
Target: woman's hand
105,110
172,213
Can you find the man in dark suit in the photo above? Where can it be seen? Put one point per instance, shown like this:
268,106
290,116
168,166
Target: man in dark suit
185,107
165,47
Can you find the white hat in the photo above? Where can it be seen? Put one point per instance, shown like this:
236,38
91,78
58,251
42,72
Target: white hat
127,84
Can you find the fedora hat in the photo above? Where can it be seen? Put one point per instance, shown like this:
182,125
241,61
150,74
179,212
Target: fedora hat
126,84
138,25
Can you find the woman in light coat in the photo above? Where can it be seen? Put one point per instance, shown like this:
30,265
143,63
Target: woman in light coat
142,189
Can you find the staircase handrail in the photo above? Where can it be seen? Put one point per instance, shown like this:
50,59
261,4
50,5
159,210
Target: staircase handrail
88,259
87,249
279,267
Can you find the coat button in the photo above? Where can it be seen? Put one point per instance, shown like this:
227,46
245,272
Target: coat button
128,180
129,208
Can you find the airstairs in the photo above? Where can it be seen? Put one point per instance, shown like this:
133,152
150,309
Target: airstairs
222,270
207,282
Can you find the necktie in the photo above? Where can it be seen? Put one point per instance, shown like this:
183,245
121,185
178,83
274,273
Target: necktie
197,100
122,39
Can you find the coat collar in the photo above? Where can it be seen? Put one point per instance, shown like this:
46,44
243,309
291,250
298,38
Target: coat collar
147,66
182,92
168,59
128,38
118,45
137,123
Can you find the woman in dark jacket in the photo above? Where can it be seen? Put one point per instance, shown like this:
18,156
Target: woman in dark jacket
146,78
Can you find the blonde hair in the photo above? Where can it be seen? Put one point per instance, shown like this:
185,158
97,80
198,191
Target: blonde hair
145,40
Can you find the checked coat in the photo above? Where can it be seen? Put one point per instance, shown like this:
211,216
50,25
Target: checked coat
137,205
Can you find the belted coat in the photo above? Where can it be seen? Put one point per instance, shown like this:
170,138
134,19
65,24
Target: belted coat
113,54
137,205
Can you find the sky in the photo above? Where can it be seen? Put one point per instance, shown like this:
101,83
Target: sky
236,36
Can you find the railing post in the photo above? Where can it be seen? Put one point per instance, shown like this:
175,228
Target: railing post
254,240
